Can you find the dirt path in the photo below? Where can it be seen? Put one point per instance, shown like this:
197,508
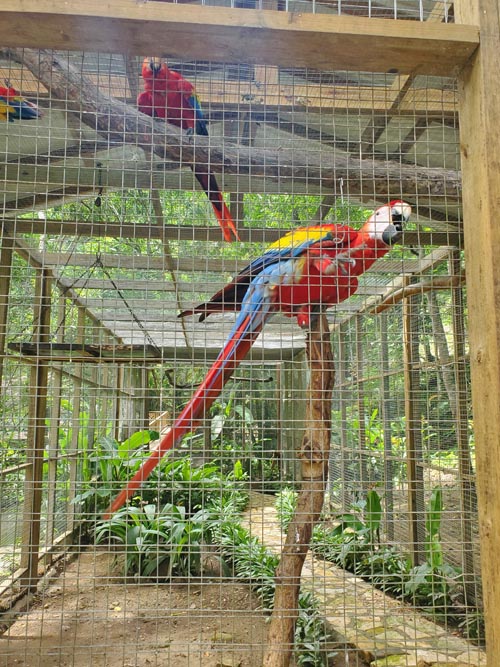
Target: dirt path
89,617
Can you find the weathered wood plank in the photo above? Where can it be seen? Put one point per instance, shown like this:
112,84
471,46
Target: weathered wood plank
234,35
190,233
479,92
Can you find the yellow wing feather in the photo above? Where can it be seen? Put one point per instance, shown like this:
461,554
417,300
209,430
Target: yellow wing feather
301,236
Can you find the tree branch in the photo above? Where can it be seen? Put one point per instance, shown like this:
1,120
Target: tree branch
119,122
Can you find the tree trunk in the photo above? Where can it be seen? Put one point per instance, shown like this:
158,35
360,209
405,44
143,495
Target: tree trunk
314,462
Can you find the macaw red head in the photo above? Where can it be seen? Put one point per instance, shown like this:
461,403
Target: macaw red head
386,223
154,67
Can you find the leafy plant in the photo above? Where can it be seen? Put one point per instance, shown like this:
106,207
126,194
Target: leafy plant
286,503
180,482
113,464
431,583
156,543
311,634
253,562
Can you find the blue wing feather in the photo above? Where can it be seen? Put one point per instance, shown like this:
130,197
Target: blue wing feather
201,123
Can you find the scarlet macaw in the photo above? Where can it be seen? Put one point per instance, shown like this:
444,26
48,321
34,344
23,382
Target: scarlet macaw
168,95
15,107
307,269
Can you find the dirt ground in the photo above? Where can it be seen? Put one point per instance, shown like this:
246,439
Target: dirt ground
90,617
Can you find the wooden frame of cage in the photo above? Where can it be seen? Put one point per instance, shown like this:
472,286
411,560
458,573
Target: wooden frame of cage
468,49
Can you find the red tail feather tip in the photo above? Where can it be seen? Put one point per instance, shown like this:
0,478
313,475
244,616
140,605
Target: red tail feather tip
227,224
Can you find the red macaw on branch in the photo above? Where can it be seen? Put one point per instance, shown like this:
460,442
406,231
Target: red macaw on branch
306,270
13,106
168,95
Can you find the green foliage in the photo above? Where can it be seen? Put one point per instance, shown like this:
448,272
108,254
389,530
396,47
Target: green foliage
156,543
354,544
364,522
311,634
286,503
253,562
112,464
182,483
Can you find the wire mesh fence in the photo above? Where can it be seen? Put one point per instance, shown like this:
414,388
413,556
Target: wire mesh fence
107,237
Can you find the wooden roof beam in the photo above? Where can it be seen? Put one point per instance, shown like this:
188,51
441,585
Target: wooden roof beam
191,233
228,35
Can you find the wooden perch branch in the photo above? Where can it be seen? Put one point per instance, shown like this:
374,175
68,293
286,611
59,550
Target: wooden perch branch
119,122
445,283
314,462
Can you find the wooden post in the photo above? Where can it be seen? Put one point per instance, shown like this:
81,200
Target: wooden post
53,439
5,272
468,496
360,392
386,425
416,503
345,445
479,104
36,436
293,411
314,461
74,452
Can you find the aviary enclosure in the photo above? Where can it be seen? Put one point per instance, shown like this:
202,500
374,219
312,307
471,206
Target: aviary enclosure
317,112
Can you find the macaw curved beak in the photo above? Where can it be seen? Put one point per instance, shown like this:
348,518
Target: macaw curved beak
392,233
155,64
400,213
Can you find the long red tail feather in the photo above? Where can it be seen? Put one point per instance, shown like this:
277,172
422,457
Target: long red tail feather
211,188
233,353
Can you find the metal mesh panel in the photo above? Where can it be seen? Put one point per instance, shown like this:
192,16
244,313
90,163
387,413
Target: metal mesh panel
107,237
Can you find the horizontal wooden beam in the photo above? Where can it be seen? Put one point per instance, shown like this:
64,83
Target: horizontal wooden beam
264,98
194,264
190,232
239,35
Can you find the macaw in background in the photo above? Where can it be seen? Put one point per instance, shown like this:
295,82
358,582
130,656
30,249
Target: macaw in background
306,270
13,106
168,95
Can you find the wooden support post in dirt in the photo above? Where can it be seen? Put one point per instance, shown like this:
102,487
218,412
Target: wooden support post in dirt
360,400
386,425
416,508
74,446
479,86
30,546
345,445
5,271
468,494
53,435
314,460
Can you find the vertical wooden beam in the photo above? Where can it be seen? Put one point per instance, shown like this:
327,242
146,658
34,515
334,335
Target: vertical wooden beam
36,435
5,273
75,425
293,411
53,436
314,463
360,392
416,503
346,456
387,431
468,514
145,398
120,378
93,397
479,105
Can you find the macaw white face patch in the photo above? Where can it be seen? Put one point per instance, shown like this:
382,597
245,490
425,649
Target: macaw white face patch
378,222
